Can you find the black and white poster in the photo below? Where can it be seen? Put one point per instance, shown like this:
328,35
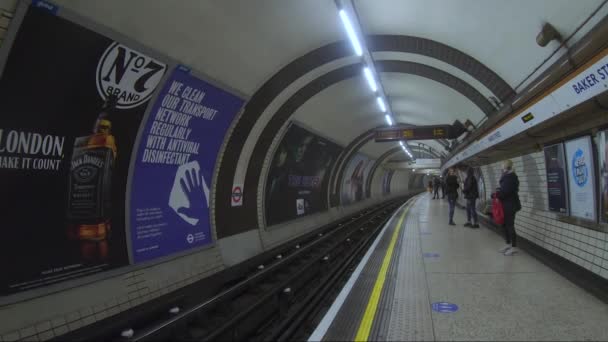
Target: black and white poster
72,103
557,190
297,182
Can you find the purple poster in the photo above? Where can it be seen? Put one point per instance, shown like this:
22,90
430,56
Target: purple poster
175,162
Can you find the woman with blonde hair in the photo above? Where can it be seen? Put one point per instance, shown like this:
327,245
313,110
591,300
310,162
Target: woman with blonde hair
508,193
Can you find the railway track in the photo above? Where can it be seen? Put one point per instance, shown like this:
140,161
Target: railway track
278,299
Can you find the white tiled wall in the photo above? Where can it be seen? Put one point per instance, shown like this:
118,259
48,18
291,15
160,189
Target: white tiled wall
585,247
52,315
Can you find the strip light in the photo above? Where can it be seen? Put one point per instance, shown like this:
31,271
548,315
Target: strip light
388,120
350,31
368,71
370,79
381,104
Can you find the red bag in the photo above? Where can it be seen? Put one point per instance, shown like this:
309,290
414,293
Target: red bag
498,214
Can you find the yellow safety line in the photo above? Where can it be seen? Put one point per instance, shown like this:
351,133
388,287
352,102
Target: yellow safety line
365,326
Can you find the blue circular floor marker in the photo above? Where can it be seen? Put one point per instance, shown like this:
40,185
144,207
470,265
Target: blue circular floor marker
445,307
431,255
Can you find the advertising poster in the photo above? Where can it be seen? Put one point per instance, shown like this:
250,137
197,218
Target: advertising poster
175,162
72,103
297,180
386,181
481,188
602,148
557,191
355,176
581,187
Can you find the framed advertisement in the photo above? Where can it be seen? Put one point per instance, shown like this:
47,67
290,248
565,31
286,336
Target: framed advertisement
581,178
602,150
177,153
557,189
298,177
73,101
353,182
481,188
386,181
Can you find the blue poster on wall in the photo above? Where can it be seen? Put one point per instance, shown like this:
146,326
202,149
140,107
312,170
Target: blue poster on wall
581,185
175,162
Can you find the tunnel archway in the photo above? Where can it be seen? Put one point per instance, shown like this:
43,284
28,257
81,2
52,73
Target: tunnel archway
225,215
337,175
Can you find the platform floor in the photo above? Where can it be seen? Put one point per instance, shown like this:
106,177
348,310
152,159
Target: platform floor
419,263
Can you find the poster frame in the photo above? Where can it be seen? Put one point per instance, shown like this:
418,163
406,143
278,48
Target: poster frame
368,167
262,184
580,220
562,145
602,223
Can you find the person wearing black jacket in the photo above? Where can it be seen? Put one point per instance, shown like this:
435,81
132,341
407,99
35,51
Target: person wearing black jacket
508,193
436,184
471,193
451,185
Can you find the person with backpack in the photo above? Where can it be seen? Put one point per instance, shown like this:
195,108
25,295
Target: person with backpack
451,185
471,194
508,193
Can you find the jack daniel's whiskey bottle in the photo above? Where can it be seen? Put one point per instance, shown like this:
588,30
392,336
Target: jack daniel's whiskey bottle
90,183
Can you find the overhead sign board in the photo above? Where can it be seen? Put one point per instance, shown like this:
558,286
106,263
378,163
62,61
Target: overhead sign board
418,133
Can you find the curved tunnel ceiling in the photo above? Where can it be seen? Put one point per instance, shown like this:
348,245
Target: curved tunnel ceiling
500,34
345,109
235,41
261,47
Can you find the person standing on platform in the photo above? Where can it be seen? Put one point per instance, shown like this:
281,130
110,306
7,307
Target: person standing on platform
471,193
451,187
436,184
442,179
508,193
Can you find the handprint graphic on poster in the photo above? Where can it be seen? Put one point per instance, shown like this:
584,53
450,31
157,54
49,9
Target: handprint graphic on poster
190,194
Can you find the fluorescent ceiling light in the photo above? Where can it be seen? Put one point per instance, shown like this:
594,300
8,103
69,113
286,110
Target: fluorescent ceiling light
381,104
370,79
388,120
350,31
